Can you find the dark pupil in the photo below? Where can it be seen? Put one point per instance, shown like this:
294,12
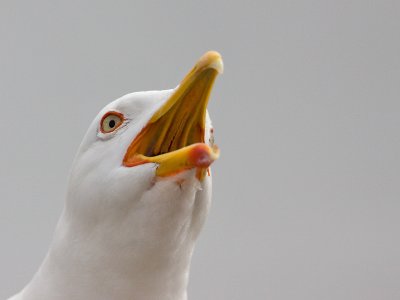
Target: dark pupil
111,124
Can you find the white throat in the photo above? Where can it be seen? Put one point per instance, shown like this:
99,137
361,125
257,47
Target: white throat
127,257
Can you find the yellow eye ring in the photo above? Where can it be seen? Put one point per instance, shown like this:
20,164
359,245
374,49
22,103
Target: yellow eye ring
111,121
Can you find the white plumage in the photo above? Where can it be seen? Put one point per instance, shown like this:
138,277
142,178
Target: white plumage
128,232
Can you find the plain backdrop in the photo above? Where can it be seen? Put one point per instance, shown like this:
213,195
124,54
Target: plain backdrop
307,115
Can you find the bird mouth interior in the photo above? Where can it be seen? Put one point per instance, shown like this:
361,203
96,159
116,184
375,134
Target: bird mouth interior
175,133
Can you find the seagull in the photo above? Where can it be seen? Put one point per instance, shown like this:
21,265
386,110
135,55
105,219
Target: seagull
138,195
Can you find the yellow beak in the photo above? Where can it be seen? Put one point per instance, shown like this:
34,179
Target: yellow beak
174,136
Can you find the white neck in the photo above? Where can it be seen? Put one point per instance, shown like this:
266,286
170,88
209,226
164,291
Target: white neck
125,257
74,269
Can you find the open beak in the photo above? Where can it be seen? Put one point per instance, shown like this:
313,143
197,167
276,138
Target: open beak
174,136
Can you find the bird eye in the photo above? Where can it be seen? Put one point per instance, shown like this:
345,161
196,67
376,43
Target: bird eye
111,121
211,139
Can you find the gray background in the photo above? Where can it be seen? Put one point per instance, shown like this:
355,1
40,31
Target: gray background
306,199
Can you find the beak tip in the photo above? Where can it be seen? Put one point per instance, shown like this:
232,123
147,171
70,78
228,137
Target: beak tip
211,60
202,155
